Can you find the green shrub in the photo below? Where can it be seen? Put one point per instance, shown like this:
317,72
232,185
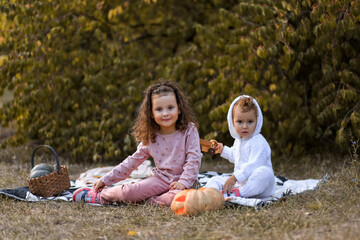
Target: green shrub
78,69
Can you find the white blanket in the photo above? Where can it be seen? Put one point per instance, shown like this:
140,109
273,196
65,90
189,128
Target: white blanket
88,178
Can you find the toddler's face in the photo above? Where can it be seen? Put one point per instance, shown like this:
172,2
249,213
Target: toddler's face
244,122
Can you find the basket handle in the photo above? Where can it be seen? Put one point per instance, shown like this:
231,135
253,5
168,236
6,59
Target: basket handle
55,154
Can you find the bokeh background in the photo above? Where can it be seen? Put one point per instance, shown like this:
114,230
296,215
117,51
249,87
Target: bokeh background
73,72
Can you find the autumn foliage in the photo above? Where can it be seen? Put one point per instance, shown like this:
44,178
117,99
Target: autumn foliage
78,69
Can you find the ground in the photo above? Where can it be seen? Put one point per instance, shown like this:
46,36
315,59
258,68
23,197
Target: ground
330,212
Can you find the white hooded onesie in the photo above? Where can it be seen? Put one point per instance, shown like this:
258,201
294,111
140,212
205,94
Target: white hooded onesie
252,160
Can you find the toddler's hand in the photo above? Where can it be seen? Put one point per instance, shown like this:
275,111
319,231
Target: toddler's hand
99,185
229,184
217,146
177,185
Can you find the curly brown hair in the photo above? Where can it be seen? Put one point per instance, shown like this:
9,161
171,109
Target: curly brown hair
246,104
145,127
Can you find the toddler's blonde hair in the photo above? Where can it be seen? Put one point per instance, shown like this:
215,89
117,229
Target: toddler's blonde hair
246,104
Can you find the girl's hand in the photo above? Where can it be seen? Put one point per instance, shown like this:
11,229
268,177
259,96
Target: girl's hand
217,146
99,185
229,184
177,185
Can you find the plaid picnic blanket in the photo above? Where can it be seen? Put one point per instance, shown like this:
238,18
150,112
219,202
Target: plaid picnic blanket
284,188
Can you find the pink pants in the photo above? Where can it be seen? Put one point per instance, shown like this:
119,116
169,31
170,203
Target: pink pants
153,188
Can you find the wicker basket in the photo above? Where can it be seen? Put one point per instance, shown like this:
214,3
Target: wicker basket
51,184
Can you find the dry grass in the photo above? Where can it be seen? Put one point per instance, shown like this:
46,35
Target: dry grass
331,212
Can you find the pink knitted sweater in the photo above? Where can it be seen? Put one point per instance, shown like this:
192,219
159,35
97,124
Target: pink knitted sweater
177,157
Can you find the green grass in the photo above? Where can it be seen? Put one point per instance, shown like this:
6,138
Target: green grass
330,212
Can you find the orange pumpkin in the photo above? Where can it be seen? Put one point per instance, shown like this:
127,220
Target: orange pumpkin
192,202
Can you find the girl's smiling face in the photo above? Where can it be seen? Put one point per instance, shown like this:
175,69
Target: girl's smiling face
165,112
244,122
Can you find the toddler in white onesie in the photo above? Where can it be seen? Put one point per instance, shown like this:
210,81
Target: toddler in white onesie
251,154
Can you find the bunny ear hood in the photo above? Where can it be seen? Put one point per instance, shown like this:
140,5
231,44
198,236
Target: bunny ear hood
259,120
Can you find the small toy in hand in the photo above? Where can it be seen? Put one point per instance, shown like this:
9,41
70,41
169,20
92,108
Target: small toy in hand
211,147
207,146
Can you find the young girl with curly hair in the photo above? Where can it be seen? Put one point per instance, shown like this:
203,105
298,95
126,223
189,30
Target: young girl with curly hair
167,131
